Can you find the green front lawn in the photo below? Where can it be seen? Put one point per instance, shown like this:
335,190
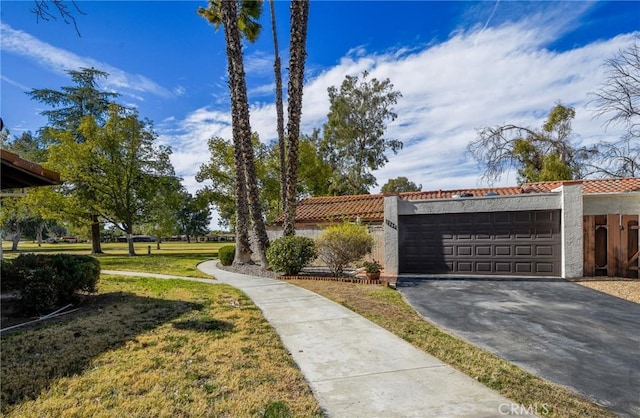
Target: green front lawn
176,258
146,347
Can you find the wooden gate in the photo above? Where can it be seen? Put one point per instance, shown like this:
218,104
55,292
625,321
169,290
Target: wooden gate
611,245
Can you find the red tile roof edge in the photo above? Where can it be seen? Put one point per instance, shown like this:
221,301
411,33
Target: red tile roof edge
373,212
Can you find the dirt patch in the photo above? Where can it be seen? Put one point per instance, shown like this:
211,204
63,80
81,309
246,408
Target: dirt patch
628,289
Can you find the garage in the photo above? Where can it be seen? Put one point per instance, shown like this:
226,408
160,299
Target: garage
524,243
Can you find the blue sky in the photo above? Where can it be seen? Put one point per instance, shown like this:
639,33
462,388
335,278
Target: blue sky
459,65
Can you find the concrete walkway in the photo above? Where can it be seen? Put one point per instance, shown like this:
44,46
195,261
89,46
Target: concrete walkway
356,368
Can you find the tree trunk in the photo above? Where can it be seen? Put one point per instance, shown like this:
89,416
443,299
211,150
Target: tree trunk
245,172
132,250
297,55
15,240
39,230
96,247
158,239
277,69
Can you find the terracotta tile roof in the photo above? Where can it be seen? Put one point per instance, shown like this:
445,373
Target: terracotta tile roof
631,184
370,208
367,207
20,173
448,194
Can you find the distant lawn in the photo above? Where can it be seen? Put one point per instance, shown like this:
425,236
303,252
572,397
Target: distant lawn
177,258
146,347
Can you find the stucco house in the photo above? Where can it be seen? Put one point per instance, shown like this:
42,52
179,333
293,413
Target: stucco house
555,229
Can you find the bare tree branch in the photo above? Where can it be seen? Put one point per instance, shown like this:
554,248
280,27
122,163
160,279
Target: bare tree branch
49,10
618,99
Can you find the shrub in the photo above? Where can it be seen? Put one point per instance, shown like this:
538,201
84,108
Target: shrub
39,293
226,254
340,245
47,281
290,254
10,280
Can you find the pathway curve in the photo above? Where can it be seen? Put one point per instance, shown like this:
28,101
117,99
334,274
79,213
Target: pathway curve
358,369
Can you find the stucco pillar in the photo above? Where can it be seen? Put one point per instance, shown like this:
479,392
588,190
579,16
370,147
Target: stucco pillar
390,226
571,227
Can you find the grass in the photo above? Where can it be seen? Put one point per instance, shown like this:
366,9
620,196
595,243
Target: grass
178,345
388,309
146,347
176,258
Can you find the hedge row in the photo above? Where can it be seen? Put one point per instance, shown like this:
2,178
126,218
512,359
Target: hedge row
48,281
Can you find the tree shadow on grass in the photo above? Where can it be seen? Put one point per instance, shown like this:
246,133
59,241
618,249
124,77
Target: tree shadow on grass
33,358
211,325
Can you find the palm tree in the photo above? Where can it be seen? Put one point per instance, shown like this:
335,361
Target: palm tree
279,111
237,21
297,56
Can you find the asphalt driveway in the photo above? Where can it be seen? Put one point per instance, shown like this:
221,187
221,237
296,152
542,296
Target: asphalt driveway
568,334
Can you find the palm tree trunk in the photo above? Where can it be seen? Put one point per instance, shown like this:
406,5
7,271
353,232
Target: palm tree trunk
242,126
297,56
277,68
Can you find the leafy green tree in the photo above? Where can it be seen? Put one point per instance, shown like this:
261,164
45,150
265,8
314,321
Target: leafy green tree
120,166
163,209
538,155
354,141
27,146
193,216
16,219
314,173
314,176
23,214
400,184
220,170
69,106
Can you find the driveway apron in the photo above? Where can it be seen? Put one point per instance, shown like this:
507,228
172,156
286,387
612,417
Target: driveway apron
568,334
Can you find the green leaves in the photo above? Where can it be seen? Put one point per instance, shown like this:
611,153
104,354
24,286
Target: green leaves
354,142
538,155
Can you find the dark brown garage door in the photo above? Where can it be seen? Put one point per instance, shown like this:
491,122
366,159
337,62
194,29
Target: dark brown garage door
521,243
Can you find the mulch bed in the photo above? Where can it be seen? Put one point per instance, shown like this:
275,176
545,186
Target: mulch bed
308,273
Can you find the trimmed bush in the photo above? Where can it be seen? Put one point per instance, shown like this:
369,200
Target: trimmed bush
48,281
226,254
10,280
290,254
340,245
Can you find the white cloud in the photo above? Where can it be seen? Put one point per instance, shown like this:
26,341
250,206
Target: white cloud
450,89
15,83
59,61
258,63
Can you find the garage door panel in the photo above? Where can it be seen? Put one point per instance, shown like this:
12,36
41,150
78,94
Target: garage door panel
483,250
523,250
525,243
